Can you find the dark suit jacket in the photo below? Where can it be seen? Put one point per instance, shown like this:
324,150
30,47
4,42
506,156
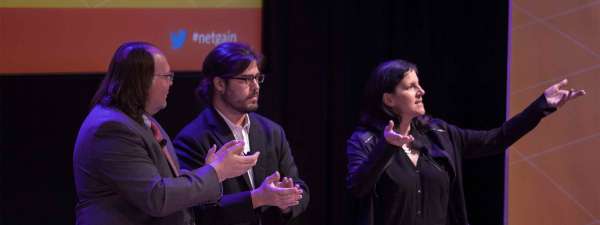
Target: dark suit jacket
209,128
122,176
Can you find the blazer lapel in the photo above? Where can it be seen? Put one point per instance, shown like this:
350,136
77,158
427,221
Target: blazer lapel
171,151
169,147
435,149
223,135
146,134
257,144
219,129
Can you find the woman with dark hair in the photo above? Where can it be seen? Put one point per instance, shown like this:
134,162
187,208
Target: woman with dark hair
405,167
124,164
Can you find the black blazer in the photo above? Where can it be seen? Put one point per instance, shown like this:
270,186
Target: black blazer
369,156
209,128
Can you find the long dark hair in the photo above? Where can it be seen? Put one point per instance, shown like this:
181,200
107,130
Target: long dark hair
227,59
383,80
128,79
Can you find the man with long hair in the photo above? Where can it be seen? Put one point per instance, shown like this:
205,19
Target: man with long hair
269,193
124,164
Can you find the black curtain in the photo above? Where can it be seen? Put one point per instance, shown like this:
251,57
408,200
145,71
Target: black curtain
320,53
318,57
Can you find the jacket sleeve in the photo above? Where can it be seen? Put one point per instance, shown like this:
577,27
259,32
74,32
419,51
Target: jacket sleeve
123,160
233,208
288,168
477,143
367,159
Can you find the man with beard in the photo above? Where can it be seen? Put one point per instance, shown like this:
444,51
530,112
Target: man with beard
124,165
269,193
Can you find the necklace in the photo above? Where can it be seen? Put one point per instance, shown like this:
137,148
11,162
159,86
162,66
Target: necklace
413,155
408,150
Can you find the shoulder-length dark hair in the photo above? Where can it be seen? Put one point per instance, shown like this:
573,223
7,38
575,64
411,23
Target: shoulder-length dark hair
383,80
128,79
227,59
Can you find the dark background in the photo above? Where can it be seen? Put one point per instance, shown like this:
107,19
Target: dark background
318,57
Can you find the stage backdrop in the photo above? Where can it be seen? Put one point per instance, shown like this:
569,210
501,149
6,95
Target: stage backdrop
554,171
75,36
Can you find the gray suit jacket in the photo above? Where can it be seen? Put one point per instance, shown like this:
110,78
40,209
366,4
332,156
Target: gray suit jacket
122,176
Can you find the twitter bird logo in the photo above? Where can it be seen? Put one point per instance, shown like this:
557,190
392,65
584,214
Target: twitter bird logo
178,38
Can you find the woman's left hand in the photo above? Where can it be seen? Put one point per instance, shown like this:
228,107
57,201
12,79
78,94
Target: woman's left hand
556,97
394,138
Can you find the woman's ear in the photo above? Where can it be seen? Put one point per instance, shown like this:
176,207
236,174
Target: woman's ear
387,100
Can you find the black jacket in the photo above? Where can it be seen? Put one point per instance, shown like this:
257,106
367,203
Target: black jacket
209,128
369,156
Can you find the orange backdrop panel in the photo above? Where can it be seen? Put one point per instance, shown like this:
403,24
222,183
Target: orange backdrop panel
554,170
83,40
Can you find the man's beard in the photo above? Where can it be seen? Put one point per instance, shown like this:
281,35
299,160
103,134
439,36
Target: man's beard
241,106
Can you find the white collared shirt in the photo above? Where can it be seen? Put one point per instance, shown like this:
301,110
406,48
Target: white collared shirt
147,121
241,133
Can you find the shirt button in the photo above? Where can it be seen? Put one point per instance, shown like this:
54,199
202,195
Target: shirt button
419,191
419,212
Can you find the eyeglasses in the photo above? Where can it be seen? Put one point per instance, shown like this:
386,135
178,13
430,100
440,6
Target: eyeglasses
260,78
169,75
